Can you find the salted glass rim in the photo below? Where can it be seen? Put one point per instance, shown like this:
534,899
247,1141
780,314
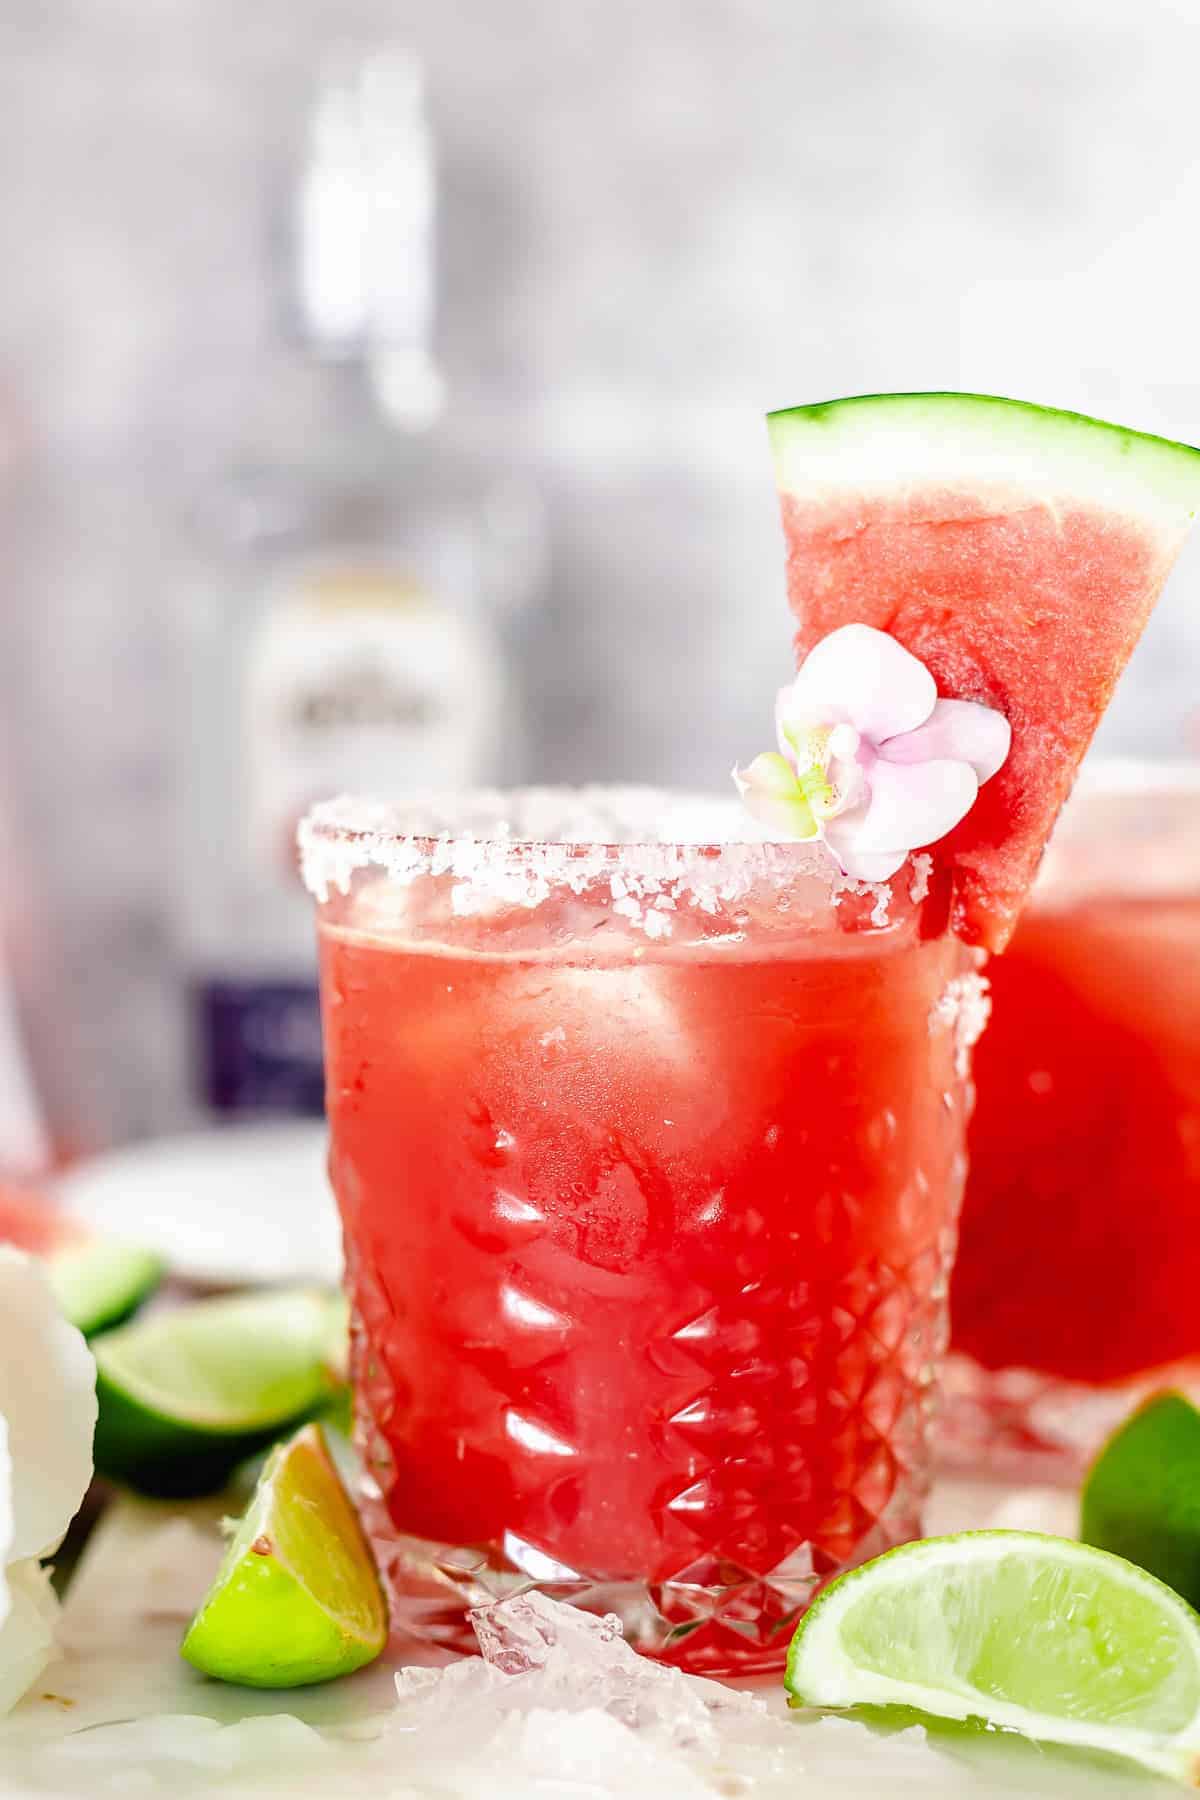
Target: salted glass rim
1130,830
546,835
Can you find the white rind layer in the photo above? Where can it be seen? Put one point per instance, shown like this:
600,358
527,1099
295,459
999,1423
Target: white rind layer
1005,451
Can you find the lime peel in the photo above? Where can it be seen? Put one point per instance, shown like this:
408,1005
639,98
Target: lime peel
1141,1499
297,1599
99,1282
1039,1635
186,1395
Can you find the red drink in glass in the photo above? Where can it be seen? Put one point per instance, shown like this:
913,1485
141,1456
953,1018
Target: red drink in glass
649,1158
1079,1261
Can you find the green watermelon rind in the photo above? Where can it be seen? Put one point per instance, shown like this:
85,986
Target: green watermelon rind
873,442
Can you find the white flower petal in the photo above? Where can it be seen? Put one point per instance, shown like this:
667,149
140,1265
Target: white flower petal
958,730
869,865
847,777
28,1640
785,717
863,676
771,794
911,805
48,1398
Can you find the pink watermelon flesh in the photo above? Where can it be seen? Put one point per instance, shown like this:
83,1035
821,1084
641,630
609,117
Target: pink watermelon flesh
1029,606
31,1223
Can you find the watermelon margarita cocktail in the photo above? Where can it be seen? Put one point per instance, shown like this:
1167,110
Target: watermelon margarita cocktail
648,1140
1085,1144
649,1155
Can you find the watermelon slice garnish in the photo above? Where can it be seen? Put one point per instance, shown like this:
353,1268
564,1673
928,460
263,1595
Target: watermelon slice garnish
1018,551
33,1223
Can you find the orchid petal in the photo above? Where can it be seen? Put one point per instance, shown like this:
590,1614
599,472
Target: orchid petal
958,730
841,834
27,1635
784,719
870,865
910,805
48,1399
863,676
866,864
774,797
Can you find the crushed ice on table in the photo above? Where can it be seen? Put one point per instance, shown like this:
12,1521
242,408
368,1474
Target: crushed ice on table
579,1717
560,1694
581,1660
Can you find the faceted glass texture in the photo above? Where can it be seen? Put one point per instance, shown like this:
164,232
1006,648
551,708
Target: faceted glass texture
648,1229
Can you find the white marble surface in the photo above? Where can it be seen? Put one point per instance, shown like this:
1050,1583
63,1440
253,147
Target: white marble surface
122,1715
231,1208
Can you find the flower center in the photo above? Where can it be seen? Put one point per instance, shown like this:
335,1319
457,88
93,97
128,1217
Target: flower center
822,751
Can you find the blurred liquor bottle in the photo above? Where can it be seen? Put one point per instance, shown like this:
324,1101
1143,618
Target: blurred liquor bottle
362,573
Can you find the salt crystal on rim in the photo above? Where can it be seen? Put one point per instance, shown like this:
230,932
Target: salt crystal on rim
964,1007
650,849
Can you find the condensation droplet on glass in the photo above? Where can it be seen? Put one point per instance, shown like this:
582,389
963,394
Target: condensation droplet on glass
881,1130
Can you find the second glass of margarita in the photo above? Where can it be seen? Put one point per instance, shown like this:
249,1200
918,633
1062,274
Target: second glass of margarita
648,1144
1075,1290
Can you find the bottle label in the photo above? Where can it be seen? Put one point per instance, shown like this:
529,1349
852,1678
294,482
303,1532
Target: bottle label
260,1047
358,679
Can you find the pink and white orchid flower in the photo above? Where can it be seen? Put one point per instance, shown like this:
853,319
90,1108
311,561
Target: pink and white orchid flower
869,758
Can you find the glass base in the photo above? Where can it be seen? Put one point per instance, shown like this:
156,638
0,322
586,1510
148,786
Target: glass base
1026,1426
711,1618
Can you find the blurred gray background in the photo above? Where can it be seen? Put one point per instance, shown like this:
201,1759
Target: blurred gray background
657,221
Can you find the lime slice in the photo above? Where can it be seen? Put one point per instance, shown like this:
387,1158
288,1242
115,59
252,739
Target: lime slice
100,1282
297,1598
187,1395
1142,1497
1038,1634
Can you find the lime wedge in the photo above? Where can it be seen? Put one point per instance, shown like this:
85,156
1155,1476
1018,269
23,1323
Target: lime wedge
1142,1497
100,1282
1037,1634
297,1598
187,1395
